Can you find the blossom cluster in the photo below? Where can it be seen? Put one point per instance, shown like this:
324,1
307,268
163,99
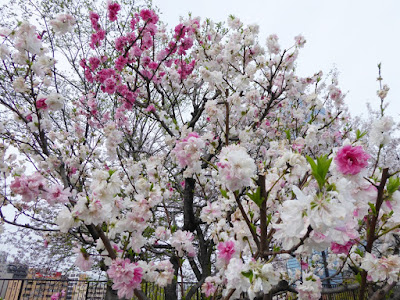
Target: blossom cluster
199,143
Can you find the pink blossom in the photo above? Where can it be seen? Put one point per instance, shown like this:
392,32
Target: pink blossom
110,85
57,194
96,39
149,15
83,260
136,51
126,276
28,187
304,265
153,65
120,43
113,9
226,250
188,150
121,62
338,248
351,160
41,104
300,41
208,288
55,296
335,93
94,63
94,19
151,108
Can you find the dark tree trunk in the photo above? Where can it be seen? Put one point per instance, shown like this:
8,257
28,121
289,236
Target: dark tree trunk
189,220
170,290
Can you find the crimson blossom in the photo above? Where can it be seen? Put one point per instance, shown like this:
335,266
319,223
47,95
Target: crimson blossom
351,159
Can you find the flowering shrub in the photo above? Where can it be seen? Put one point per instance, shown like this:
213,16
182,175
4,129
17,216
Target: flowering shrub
197,154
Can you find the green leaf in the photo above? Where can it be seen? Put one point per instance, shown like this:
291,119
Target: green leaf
360,134
320,169
309,277
251,215
173,228
359,252
288,136
269,218
256,197
393,184
148,232
253,227
372,206
248,274
358,278
224,194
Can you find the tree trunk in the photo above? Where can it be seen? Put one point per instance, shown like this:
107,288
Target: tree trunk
170,290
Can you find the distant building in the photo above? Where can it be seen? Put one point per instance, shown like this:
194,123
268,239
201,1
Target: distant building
23,283
36,286
4,274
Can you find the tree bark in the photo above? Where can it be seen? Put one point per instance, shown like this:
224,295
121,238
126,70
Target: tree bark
170,290
189,220
381,293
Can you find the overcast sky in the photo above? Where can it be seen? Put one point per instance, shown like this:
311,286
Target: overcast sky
352,36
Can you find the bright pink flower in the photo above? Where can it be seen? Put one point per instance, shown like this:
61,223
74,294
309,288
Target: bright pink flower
41,104
351,160
187,43
28,187
96,39
226,250
151,108
153,65
94,19
120,43
113,9
120,62
338,249
149,16
94,63
110,85
55,296
126,276
304,265
57,194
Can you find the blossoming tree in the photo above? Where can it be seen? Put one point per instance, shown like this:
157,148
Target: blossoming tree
194,155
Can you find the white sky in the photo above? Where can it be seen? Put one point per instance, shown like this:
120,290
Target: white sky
353,36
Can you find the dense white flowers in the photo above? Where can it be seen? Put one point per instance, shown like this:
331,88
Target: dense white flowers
380,133
236,168
310,288
63,23
380,269
187,152
182,242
